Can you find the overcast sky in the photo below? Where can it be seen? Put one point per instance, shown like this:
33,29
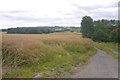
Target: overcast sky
19,13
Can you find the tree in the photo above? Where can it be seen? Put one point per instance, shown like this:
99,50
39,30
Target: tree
100,33
114,35
87,26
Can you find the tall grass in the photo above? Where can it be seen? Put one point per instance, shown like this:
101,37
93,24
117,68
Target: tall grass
45,50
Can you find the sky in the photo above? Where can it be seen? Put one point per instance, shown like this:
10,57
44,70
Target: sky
24,13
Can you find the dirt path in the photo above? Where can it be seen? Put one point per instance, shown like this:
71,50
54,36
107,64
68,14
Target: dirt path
101,66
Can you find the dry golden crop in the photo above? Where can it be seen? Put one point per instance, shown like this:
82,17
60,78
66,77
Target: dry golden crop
19,49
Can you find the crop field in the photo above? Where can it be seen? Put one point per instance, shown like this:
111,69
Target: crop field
26,55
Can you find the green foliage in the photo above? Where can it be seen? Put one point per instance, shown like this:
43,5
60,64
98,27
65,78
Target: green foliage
114,35
100,33
101,30
30,30
41,30
87,27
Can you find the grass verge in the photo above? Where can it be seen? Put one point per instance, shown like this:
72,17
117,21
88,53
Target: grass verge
108,48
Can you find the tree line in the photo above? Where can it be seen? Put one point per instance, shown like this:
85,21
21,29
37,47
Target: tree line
41,30
100,30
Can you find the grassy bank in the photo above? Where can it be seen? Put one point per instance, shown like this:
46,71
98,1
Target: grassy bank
48,54
108,48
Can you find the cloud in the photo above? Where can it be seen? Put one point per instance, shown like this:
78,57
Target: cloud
100,10
54,12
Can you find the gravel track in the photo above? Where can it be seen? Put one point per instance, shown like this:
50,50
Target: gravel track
101,65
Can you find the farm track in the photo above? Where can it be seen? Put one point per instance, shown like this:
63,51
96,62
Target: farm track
101,65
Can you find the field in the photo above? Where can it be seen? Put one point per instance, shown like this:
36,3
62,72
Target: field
26,55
